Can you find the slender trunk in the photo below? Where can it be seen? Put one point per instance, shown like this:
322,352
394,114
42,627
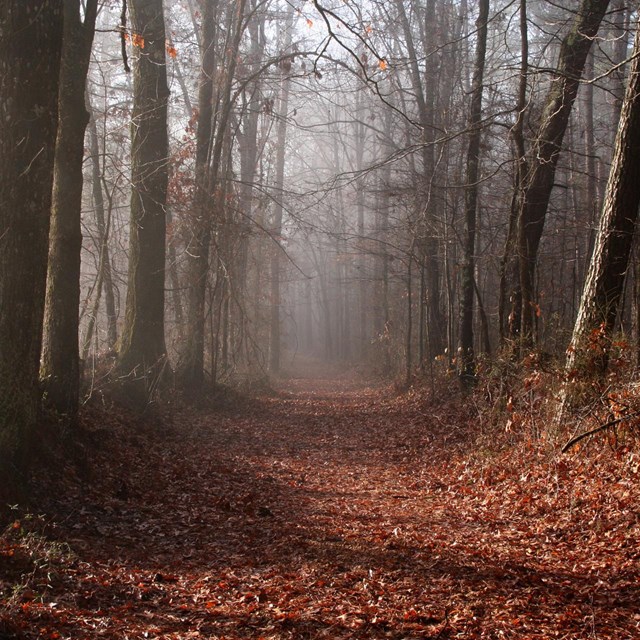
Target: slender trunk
409,328
276,227
466,357
209,147
104,225
509,273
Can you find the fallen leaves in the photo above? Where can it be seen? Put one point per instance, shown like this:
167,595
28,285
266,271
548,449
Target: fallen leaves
329,510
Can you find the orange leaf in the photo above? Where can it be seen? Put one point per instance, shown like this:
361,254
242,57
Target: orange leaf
383,64
138,40
309,23
171,51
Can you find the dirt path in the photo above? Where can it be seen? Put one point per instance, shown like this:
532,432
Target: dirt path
329,510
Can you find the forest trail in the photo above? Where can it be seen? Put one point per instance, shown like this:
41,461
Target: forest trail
331,508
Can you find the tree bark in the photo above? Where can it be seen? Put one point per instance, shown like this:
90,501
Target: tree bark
60,368
548,146
142,352
604,285
30,51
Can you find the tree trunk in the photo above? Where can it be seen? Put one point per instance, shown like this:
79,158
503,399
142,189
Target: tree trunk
547,147
466,359
103,222
142,352
509,274
60,367
276,227
30,50
209,147
425,97
604,285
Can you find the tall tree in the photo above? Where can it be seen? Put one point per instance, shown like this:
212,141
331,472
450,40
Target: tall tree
142,345
30,51
548,146
210,138
600,303
103,222
276,227
425,90
467,275
509,275
60,359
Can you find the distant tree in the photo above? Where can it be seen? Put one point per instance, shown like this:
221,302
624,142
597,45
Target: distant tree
142,350
60,359
276,227
103,222
30,50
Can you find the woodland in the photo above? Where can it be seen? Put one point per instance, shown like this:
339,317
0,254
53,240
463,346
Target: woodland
319,319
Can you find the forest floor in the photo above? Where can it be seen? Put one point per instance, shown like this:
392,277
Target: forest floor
330,508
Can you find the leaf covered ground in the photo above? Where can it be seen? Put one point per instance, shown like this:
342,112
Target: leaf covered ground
330,509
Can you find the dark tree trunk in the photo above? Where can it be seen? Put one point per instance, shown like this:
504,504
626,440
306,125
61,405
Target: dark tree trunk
429,245
466,363
548,145
142,350
60,367
509,274
30,50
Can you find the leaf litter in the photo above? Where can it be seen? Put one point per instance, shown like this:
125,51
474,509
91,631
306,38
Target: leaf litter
331,509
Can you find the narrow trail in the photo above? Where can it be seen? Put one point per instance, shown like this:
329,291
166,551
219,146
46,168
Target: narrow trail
329,510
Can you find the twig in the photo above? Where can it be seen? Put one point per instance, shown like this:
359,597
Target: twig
602,427
123,36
